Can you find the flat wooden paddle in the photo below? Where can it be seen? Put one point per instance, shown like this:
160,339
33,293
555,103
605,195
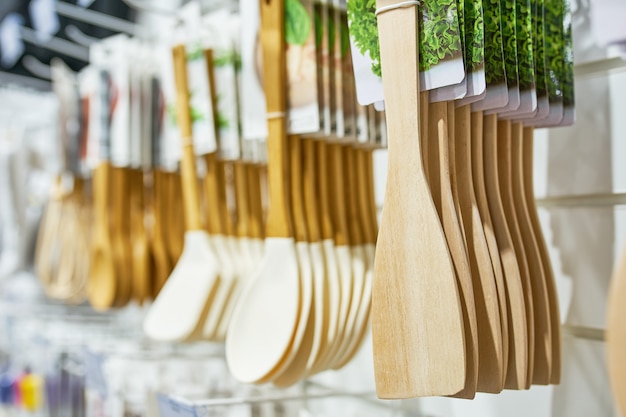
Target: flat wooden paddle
500,148
417,320
141,257
441,190
543,328
553,301
179,311
485,168
486,296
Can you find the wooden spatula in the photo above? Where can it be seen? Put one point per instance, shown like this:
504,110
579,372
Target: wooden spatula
502,153
488,307
485,169
441,189
158,235
261,331
417,321
543,329
102,285
120,235
141,257
553,301
179,311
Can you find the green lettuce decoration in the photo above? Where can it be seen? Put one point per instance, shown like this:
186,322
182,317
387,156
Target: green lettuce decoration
297,23
440,37
494,54
540,62
509,41
554,46
526,65
474,35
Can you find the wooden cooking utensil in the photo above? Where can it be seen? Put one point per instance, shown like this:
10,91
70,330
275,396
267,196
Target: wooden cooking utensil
553,302
162,262
350,289
328,246
441,190
305,332
46,263
141,257
257,220
491,322
179,311
120,235
452,163
175,229
362,268
368,224
502,153
102,285
485,170
417,322
232,250
261,332
216,227
321,297
543,330
616,333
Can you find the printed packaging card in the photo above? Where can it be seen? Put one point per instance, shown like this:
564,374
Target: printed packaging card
526,60
302,86
496,92
226,60
440,48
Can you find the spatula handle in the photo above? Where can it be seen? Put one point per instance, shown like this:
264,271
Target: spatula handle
191,195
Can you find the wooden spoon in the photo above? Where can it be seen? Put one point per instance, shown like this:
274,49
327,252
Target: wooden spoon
553,301
321,296
216,227
298,366
232,249
175,230
368,223
45,265
162,262
543,330
256,220
502,151
102,285
485,170
140,245
441,190
261,332
120,235
362,267
179,311
417,320
328,246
